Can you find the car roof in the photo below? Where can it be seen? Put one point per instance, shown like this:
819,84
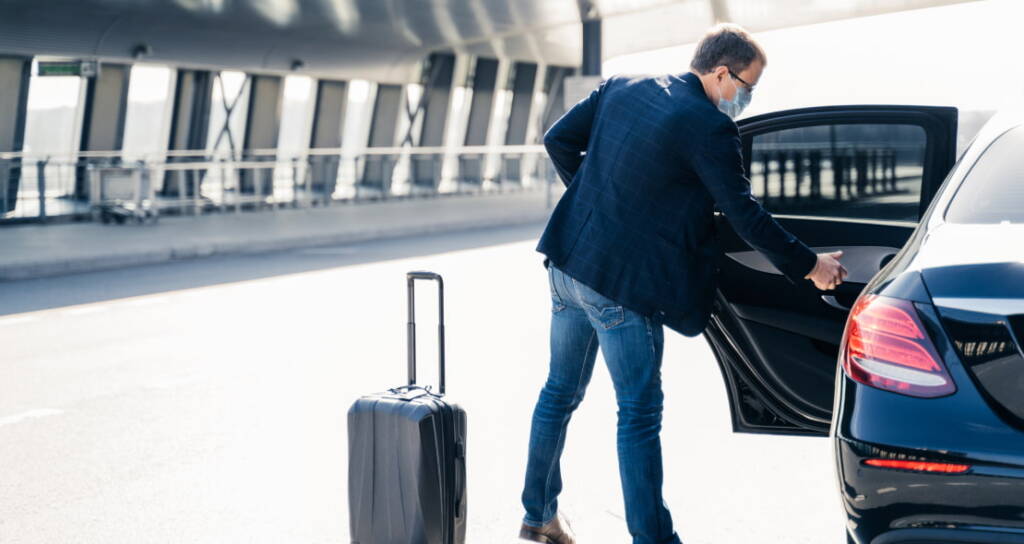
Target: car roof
1004,119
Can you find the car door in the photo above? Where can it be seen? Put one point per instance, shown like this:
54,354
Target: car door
850,178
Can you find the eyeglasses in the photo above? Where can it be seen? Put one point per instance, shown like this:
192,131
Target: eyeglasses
750,88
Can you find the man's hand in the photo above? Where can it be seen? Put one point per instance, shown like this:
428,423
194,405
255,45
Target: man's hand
827,272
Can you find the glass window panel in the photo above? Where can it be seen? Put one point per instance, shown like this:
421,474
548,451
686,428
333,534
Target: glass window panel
993,191
868,171
53,103
294,134
227,131
149,92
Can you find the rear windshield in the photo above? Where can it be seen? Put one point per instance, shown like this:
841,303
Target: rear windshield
993,191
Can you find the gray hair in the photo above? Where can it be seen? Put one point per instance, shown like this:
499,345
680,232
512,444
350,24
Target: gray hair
729,45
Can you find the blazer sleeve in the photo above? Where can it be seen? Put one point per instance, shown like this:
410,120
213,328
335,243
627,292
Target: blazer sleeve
718,161
568,137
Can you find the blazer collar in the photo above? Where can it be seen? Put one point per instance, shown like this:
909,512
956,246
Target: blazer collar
693,82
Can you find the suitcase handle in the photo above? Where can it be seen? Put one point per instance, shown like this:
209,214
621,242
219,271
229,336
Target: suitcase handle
411,278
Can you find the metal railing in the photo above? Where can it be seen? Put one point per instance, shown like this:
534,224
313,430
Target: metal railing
40,187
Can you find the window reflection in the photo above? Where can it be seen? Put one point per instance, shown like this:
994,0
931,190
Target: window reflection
870,171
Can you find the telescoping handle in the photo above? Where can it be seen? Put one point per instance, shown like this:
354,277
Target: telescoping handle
411,278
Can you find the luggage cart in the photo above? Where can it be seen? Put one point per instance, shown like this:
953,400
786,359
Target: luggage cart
120,194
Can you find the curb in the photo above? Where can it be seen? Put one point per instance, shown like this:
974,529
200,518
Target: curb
114,260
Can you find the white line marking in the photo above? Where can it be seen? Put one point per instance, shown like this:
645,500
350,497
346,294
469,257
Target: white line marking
31,414
86,310
17,319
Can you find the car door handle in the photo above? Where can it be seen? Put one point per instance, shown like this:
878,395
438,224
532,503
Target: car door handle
831,301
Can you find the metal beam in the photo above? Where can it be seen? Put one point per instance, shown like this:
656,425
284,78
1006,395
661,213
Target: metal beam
15,73
328,120
377,169
522,100
426,169
103,115
524,77
483,80
190,123
554,90
592,47
262,127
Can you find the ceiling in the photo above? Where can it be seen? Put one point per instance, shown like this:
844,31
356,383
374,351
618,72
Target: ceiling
384,40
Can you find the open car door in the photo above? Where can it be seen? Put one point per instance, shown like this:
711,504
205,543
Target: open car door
855,178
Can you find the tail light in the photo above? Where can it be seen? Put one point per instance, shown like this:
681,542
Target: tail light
887,347
918,466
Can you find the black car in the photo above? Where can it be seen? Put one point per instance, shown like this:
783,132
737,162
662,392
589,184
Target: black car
913,366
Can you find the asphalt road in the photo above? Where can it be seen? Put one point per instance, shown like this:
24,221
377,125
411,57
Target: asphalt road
205,401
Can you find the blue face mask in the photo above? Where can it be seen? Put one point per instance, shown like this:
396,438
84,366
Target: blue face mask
733,108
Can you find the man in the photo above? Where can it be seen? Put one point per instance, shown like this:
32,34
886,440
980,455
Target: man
631,246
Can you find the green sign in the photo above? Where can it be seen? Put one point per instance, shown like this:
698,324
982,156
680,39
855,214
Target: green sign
83,68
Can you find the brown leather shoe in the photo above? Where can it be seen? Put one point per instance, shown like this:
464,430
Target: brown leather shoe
557,531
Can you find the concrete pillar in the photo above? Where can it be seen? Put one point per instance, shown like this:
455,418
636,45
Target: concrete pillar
15,73
103,114
522,101
554,89
426,169
328,118
377,169
484,79
591,47
190,124
262,127
524,75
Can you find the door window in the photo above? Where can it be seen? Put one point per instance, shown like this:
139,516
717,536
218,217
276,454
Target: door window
865,171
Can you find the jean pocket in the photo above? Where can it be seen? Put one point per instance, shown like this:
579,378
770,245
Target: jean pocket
608,316
556,301
600,308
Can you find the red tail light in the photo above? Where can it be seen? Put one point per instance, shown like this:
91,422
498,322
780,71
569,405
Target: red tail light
920,466
886,347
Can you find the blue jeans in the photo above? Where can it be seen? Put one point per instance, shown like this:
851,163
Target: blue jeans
581,321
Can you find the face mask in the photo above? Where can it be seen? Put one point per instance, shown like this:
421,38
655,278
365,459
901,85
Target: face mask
733,108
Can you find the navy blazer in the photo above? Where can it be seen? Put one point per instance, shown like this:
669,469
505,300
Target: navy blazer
636,222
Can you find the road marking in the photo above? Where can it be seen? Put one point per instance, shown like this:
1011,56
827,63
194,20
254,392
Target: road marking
17,319
86,310
31,414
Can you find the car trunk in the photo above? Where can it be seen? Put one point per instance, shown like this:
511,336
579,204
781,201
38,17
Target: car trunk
982,310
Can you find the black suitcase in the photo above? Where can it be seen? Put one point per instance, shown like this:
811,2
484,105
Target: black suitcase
407,456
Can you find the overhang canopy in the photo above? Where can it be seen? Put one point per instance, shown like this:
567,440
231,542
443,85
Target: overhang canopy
383,40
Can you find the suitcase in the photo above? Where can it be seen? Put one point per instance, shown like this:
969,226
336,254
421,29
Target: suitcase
407,455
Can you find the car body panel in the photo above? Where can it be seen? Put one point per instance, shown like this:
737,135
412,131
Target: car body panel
948,271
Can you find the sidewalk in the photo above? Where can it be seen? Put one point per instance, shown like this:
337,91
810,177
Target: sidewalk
33,251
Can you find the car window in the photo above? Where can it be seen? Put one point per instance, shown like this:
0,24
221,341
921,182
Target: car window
869,171
993,190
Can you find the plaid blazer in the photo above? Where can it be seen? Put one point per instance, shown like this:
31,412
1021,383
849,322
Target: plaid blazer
636,222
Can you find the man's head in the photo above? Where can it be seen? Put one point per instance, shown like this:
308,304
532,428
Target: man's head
726,60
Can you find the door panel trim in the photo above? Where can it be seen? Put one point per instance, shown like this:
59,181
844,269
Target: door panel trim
748,392
862,262
795,322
